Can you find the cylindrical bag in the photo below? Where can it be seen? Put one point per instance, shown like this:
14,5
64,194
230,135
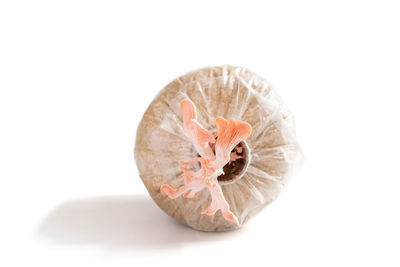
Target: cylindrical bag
249,183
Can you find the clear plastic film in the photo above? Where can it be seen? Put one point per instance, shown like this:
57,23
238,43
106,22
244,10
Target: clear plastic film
256,180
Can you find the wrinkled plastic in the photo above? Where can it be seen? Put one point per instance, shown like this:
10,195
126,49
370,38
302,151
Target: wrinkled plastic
228,92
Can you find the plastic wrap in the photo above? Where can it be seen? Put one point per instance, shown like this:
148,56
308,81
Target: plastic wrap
227,92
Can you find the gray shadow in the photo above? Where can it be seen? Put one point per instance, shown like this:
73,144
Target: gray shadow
115,221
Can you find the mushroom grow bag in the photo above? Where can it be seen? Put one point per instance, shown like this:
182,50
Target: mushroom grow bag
215,147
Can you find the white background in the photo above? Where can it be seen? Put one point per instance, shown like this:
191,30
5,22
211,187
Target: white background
76,77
